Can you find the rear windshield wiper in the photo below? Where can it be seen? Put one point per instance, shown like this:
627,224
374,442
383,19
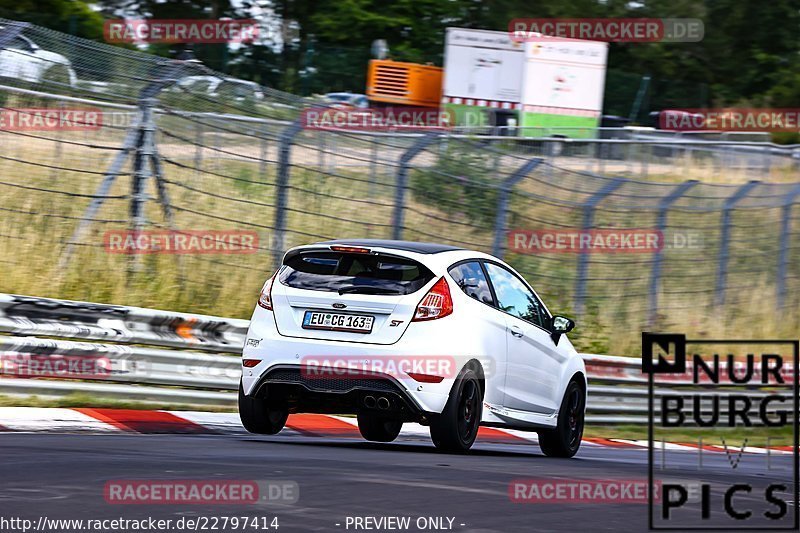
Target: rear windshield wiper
367,289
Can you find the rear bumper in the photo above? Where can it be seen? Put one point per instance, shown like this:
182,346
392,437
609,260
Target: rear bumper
319,391
275,351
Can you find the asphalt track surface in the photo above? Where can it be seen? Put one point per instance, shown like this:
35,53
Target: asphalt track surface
63,476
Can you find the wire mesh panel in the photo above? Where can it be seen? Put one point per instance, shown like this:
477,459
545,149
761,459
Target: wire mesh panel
134,179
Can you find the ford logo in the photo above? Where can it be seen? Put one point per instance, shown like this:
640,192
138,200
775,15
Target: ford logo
338,305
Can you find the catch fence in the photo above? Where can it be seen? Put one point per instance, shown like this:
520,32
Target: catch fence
623,229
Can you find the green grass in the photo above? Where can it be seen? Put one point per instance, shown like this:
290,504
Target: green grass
756,436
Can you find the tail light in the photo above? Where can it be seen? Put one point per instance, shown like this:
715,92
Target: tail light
436,304
265,299
425,378
351,249
250,363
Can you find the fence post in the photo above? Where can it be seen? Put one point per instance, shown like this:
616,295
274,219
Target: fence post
141,173
501,216
164,73
661,226
372,172
725,237
588,222
59,145
284,163
766,161
401,182
320,135
783,253
131,138
331,160
263,154
216,136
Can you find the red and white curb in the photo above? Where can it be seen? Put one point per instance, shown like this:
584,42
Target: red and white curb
100,420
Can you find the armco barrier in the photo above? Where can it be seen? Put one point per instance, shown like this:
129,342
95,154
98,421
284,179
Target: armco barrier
154,358
30,315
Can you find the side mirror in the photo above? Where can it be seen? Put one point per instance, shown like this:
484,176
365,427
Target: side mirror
559,325
562,324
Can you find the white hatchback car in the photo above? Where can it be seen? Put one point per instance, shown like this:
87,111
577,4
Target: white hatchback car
396,331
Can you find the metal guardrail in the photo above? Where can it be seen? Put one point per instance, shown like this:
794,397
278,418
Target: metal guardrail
157,360
31,315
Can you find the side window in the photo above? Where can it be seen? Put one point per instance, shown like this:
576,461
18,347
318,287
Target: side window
514,297
470,277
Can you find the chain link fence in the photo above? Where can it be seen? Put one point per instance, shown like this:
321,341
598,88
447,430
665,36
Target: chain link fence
620,228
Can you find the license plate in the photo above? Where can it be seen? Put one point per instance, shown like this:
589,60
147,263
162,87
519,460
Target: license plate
338,322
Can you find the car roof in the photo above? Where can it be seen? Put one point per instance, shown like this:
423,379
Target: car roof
192,79
241,82
406,246
198,78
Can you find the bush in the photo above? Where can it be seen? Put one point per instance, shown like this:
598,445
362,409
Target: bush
462,181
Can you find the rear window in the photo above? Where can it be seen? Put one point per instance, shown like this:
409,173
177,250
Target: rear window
354,273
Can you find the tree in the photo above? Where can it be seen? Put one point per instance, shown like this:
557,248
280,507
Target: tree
68,16
749,54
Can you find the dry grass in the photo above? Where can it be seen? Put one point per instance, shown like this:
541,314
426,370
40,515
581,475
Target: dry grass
33,237
757,436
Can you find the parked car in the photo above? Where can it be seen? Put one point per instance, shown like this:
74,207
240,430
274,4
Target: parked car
24,60
347,100
396,331
215,87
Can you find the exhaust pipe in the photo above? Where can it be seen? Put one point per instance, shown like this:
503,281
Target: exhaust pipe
383,402
369,402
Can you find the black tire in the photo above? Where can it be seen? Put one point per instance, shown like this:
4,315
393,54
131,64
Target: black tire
258,416
565,439
378,428
455,429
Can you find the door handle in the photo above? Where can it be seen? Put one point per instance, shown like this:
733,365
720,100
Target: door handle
516,331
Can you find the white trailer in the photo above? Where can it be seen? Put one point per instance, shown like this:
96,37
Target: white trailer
546,83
